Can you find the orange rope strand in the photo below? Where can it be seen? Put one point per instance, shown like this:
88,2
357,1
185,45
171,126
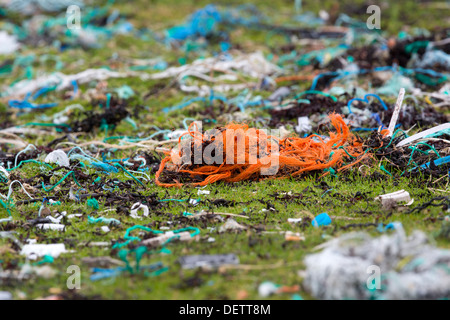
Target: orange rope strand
295,155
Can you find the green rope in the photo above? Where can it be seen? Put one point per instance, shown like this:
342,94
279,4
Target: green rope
60,181
47,124
384,169
393,136
6,206
414,148
129,238
157,272
28,161
141,250
342,147
125,170
316,92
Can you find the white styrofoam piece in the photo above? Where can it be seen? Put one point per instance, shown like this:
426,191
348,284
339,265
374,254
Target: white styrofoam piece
40,250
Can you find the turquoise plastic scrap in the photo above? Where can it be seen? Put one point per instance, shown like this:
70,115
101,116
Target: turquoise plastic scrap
103,220
202,22
322,219
93,203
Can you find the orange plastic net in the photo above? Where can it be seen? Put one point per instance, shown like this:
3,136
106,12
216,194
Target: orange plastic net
252,151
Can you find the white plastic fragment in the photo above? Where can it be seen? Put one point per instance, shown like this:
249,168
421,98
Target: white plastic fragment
182,236
4,174
304,125
51,226
95,244
45,272
135,208
280,93
203,192
76,215
194,202
231,225
208,261
294,220
267,288
59,157
397,196
9,43
176,134
33,251
105,229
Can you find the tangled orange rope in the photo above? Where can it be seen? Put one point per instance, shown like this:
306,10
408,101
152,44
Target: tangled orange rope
295,156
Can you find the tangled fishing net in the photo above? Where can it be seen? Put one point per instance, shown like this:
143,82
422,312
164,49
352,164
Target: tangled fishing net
237,152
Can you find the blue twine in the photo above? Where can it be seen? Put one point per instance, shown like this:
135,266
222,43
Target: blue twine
184,104
27,105
366,100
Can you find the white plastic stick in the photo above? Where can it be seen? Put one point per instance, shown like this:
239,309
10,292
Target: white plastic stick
398,106
423,134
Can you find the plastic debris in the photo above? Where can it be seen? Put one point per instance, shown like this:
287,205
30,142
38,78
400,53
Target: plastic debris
203,192
34,251
135,208
311,99
426,133
322,219
294,220
45,272
59,157
63,81
4,175
108,221
101,262
330,153
157,241
400,196
231,225
51,226
409,268
9,43
267,288
293,236
303,125
208,261
432,58
279,94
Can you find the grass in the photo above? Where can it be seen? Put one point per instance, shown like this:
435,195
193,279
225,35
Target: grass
272,257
